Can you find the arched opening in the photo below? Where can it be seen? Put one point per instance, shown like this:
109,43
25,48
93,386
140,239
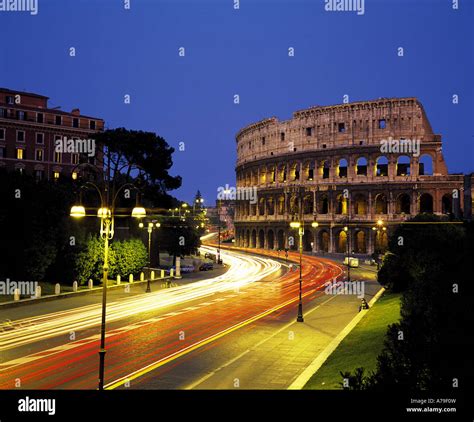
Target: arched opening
294,206
271,175
323,204
425,165
426,203
261,206
360,244
270,239
324,170
281,204
307,240
381,166
282,174
381,241
281,239
342,168
360,204
261,239
253,240
341,242
341,204
447,203
323,237
247,239
295,172
308,204
403,204
270,206
310,171
380,204
263,175
361,167
403,166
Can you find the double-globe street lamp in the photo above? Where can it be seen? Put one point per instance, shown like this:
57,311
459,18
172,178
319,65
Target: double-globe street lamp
106,214
150,227
300,226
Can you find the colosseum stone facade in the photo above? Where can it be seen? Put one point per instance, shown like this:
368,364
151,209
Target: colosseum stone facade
327,165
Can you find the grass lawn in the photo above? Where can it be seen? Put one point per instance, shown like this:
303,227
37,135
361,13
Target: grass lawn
360,347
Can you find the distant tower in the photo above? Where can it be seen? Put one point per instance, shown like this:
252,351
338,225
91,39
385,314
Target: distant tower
198,201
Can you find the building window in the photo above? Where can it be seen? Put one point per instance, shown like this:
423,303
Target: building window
382,124
309,131
20,115
20,135
282,136
20,153
10,99
263,140
39,117
74,175
75,122
56,174
2,134
3,112
40,138
39,155
58,120
57,157
74,158
341,127
39,174
3,152
92,124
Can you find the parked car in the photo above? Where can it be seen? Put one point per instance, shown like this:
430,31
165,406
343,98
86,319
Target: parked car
206,266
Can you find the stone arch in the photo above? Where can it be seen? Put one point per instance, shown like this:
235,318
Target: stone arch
310,171
381,241
270,239
360,243
263,175
261,206
447,203
308,204
360,204
323,204
271,175
324,169
425,165
380,204
342,168
361,166
381,166
253,239
282,176
295,172
294,205
341,242
261,238
270,206
341,204
323,240
403,204
307,240
281,239
403,165
426,203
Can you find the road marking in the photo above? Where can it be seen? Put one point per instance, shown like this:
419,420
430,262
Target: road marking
314,366
152,366
285,327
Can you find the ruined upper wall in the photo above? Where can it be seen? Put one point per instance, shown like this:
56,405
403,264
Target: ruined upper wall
353,124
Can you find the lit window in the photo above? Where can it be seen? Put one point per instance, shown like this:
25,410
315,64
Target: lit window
56,174
74,158
20,153
57,157
74,175
39,155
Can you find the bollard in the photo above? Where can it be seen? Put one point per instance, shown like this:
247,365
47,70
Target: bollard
119,279
142,276
178,267
16,294
130,278
74,286
38,292
172,272
152,276
57,288
90,284
162,274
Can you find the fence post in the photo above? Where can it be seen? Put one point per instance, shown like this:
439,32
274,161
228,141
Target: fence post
152,276
16,295
74,286
38,292
119,280
90,283
57,288
162,273
171,272
142,276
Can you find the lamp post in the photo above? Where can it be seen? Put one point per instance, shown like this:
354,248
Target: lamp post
106,215
346,229
299,226
150,228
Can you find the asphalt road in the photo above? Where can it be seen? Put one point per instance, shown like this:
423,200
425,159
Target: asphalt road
235,332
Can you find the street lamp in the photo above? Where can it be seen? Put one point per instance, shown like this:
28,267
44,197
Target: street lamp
106,215
346,229
150,228
299,226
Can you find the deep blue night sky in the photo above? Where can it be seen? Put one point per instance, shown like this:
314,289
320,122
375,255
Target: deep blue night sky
241,52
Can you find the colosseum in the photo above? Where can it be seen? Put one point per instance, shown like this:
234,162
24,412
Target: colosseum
327,169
